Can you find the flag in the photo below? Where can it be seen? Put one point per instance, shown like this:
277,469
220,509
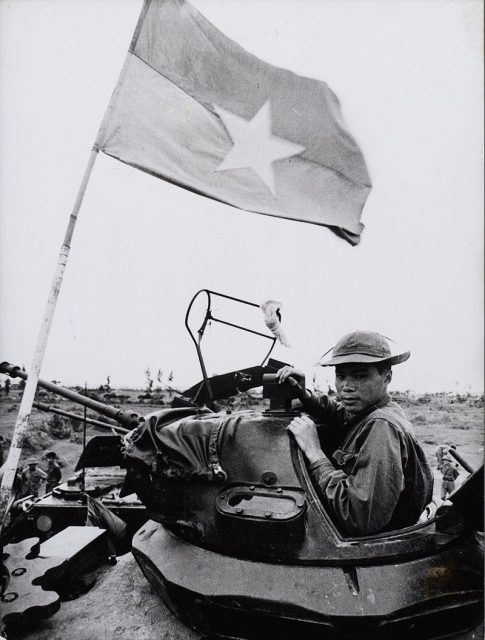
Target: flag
194,108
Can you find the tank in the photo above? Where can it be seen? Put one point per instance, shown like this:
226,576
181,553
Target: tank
237,540
66,504
99,473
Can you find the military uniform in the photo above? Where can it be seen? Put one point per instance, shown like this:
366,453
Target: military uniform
450,474
379,478
54,475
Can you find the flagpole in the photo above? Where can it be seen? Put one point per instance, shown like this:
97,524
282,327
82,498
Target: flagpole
21,425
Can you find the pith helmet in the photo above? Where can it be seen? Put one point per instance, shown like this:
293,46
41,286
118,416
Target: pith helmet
364,347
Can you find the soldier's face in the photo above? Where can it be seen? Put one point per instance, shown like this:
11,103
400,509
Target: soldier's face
360,385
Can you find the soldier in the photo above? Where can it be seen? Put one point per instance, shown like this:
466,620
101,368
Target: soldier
441,451
450,473
31,478
377,478
54,473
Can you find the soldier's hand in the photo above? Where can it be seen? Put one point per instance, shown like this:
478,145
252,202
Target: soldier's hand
295,378
306,436
291,375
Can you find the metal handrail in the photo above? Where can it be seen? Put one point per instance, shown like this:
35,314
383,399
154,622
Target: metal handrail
209,317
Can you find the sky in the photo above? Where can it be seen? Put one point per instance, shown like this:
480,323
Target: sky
408,74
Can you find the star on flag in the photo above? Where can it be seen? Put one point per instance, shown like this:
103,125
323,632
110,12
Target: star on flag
254,145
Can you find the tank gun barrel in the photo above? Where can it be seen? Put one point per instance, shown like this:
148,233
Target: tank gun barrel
42,406
127,419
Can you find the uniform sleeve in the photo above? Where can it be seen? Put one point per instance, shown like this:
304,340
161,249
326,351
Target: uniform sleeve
42,473
363,501
321,407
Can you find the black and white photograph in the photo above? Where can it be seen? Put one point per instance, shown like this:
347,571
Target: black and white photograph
241,330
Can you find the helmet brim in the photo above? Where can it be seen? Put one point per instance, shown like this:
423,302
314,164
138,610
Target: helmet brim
398,355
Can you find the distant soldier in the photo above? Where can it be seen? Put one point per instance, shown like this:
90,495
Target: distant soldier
450,474
441,451
54,473
7,386
31,478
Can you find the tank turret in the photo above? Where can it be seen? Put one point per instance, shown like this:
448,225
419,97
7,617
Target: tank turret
239,539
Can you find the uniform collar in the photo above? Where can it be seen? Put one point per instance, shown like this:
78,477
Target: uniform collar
357,417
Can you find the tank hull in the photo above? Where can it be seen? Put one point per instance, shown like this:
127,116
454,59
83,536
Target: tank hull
424,598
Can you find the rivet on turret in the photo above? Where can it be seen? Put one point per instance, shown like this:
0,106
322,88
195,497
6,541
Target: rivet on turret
252,487
279,490
239,510
267,514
